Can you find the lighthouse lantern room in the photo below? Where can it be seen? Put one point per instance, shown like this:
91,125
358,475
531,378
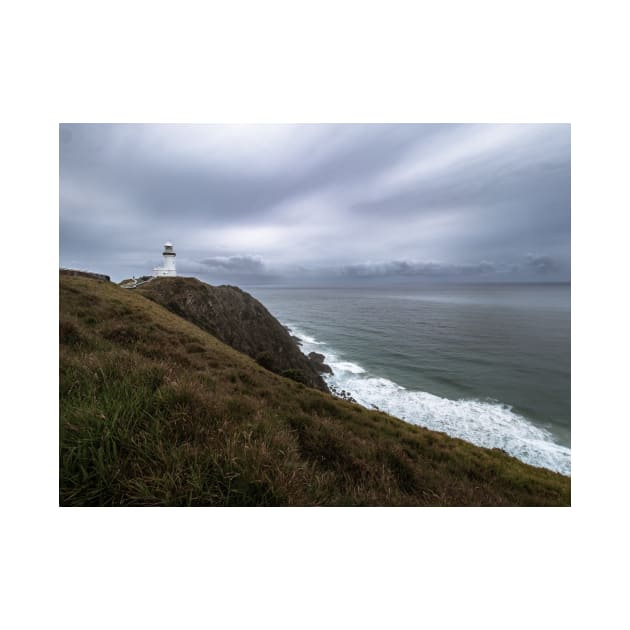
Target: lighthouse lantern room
168,265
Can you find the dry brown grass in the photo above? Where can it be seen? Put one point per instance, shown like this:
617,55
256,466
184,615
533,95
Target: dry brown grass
154,411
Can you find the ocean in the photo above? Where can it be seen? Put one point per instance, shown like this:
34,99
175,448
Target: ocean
490,364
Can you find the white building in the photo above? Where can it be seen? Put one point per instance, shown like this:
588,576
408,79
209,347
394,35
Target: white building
168,266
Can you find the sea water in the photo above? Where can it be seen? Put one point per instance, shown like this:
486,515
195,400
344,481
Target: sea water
490,364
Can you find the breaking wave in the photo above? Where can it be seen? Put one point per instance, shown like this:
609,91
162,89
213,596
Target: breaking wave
488,424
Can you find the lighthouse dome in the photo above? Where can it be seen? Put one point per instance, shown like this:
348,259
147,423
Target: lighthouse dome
168,244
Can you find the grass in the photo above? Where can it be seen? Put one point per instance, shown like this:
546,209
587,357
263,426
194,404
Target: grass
154,411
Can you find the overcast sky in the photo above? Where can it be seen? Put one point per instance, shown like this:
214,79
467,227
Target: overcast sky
322,204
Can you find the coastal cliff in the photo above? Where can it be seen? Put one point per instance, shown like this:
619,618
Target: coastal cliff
155,410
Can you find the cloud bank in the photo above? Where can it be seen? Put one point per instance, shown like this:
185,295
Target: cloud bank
277,204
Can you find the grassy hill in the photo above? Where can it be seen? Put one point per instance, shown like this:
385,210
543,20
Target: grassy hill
156,411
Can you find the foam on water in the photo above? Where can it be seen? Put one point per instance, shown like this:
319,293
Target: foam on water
489,424
307,339
346,366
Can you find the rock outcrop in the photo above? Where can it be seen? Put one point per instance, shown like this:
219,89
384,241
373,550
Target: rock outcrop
239,320
317,360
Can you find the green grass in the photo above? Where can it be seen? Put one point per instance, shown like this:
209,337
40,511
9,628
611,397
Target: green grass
154,411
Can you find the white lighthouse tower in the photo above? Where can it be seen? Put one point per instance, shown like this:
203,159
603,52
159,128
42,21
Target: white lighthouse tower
168,265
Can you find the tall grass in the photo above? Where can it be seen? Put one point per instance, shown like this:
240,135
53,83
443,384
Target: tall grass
154,411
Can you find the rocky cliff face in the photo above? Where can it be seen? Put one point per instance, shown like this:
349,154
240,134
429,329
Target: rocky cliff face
237,319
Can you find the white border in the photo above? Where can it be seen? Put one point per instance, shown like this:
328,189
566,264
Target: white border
321,62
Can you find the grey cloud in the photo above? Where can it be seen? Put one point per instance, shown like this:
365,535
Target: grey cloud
271,203
388,268
415,268
541,264
522,269
241,264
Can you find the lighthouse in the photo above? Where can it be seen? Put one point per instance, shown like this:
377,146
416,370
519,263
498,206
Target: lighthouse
168,265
